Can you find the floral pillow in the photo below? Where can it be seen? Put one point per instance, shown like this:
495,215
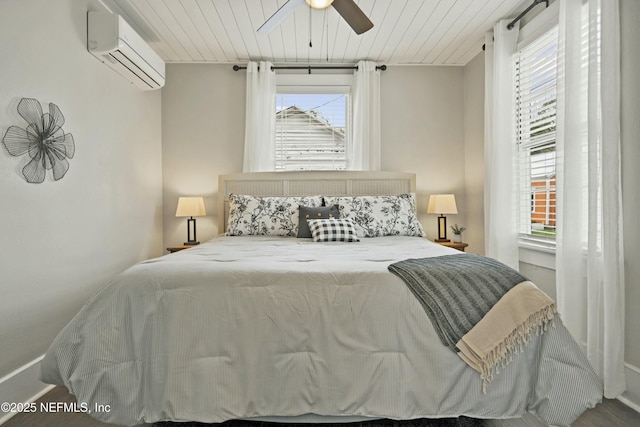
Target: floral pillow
266,216
377,216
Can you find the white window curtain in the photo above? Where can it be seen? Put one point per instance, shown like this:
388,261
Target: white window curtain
259,137
501,241
364,150
589,252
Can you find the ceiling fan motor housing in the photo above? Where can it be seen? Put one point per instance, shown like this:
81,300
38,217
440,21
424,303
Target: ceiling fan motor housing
319,4
347,9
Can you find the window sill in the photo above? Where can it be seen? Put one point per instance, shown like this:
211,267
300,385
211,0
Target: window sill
540,255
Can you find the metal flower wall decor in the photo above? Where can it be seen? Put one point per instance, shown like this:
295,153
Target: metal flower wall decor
43,139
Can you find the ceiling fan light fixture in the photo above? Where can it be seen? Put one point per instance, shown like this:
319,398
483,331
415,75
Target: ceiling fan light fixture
319,4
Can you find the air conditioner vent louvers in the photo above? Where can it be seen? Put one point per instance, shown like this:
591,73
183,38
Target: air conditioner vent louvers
132,67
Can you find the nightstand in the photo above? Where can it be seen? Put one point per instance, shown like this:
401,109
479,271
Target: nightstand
178,248
454,245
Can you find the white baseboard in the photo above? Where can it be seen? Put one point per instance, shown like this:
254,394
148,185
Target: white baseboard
631,397
21,386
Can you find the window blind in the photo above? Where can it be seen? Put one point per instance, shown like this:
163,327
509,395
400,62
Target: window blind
536,68
311,131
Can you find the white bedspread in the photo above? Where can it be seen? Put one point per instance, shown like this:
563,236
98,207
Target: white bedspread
254,326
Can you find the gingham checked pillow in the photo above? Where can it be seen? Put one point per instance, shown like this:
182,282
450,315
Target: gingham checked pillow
332,230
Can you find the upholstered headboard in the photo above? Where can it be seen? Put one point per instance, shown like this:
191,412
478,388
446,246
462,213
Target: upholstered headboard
305,183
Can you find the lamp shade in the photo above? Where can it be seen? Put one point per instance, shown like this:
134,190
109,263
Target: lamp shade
442,204
190,206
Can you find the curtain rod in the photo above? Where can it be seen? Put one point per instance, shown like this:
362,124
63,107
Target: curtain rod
312,67
531,6
519,17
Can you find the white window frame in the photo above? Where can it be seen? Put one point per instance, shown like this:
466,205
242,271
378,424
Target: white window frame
532,251
321,84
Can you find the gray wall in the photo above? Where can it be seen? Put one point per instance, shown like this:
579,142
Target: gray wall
62,240
422,124
203,136
474,152
630,132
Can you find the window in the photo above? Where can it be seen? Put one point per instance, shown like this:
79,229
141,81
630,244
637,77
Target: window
535,90
311,131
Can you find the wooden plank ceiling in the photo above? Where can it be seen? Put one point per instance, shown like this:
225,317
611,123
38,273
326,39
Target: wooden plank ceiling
421,32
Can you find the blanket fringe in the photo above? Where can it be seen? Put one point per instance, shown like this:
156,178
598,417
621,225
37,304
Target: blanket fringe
502,354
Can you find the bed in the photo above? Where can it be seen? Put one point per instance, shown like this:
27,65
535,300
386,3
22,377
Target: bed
281,328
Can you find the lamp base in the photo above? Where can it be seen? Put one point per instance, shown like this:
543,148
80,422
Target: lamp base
442,229
191,233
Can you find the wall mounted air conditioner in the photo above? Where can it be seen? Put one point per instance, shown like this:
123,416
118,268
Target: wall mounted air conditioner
115,43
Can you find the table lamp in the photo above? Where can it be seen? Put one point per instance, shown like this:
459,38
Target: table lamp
191,206
442,204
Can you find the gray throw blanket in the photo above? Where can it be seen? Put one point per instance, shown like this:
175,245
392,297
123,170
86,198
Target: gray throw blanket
456,291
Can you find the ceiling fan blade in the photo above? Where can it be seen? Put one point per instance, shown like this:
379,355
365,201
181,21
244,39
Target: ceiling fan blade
280,15
353,15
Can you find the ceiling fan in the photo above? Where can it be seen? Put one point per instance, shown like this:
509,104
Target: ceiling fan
348,9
